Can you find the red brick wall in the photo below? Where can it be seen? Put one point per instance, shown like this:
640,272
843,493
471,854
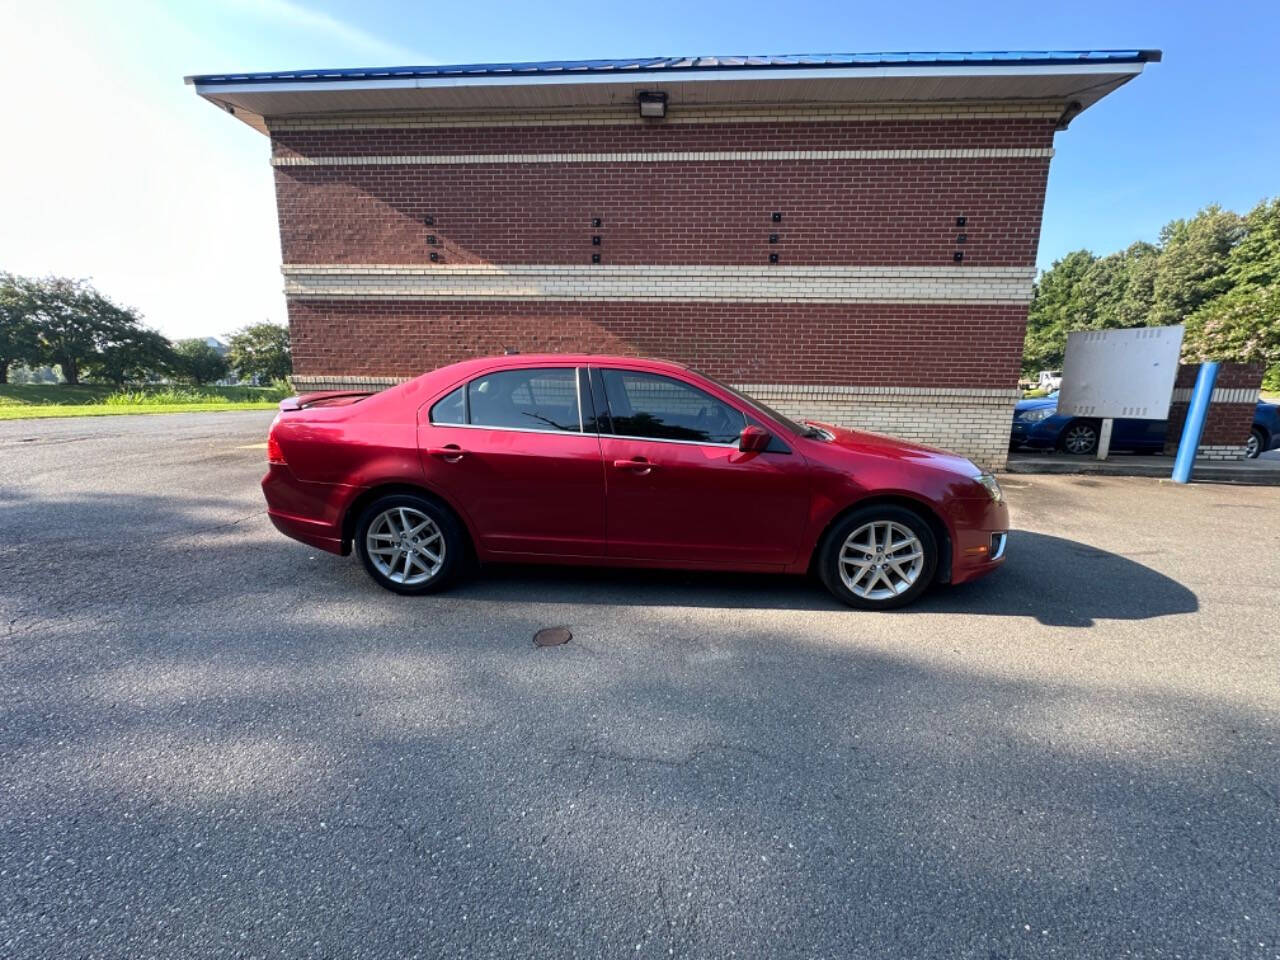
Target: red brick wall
843,344
834,212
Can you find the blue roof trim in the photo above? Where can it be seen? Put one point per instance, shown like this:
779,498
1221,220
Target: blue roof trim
649,65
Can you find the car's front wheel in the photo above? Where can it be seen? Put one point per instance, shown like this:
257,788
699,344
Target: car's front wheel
1080,437
409,544
878,557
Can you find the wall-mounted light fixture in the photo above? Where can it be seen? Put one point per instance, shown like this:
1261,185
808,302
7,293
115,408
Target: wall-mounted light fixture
652,103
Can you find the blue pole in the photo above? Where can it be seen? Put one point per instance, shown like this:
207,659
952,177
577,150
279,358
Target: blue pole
1201,394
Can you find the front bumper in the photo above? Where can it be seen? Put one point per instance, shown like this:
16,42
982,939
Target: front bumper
981,538
1040,434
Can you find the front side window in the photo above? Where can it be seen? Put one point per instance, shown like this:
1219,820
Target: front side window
526,399
660,408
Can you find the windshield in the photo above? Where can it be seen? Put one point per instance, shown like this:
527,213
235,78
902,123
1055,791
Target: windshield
796,428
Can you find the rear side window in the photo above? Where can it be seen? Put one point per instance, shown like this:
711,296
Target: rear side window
451,409
654,407
526,399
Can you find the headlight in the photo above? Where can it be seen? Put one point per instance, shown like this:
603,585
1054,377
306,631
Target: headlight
1035,416
991,486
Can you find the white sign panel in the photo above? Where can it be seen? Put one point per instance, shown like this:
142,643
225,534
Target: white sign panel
1120,373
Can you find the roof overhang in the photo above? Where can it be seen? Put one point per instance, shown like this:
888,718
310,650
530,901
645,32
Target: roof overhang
1075,80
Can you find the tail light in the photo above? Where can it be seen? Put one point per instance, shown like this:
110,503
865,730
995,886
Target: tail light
274,453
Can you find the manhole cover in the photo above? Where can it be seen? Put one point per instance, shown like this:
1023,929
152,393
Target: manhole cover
551,637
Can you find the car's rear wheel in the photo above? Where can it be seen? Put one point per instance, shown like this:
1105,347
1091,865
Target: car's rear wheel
1253,448
409,544
1080,437
879,557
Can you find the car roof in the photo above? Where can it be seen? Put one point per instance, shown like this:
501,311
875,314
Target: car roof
518,360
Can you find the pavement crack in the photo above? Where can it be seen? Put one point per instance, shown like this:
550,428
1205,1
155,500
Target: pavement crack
218,526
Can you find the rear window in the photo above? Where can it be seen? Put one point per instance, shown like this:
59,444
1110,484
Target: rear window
536,399
451,409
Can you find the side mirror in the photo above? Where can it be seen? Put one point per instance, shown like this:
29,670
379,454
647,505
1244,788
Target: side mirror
753,439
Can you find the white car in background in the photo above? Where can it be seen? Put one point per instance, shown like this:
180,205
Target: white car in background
1050,380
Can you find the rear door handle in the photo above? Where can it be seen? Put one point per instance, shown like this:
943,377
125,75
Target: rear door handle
450,452
638,465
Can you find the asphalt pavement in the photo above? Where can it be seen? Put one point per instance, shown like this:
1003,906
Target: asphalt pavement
216,742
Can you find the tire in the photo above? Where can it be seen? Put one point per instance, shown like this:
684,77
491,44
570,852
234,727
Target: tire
1079,438
380,542
1257,443
847,580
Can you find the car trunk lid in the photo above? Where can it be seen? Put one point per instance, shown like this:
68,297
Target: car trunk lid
324,398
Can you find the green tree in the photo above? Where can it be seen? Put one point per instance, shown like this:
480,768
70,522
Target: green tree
261,350
1243,325
131,354
1192,267
1211,272
198,362
18,342
1056,307
74,324
1255,260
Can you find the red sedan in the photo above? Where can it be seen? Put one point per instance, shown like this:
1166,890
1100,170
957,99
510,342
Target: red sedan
625,462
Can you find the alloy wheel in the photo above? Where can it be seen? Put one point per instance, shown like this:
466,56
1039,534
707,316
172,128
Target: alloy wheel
881,560
1080,438
1253,447
405,546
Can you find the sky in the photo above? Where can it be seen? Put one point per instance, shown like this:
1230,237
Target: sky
113,170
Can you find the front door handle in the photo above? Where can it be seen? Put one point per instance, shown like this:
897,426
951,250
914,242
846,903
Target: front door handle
449,453
638,465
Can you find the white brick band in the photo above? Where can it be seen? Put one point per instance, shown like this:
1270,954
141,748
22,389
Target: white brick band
1220,395
1220,452
731,284
450,159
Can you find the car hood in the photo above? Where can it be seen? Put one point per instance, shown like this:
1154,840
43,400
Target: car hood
1035,403
891,448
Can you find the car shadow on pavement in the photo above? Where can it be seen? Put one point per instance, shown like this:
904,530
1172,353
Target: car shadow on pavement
1057,581
1065,583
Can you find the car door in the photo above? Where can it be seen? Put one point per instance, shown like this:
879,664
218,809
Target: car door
678,488
1138,434
509,447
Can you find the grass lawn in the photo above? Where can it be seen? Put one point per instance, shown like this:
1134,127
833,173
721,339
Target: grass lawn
29,401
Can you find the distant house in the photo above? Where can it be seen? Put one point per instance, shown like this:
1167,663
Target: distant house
217,345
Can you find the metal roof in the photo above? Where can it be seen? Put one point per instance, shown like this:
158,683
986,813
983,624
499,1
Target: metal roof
668,65
1071,79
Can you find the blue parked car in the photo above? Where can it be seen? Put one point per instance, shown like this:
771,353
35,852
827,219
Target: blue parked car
1037,424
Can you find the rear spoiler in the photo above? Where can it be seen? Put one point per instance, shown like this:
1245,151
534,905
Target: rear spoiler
302,401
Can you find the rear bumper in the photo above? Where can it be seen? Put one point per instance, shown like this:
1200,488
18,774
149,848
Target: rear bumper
309,512
310,532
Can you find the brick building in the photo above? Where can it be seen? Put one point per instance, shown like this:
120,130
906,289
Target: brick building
851,237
